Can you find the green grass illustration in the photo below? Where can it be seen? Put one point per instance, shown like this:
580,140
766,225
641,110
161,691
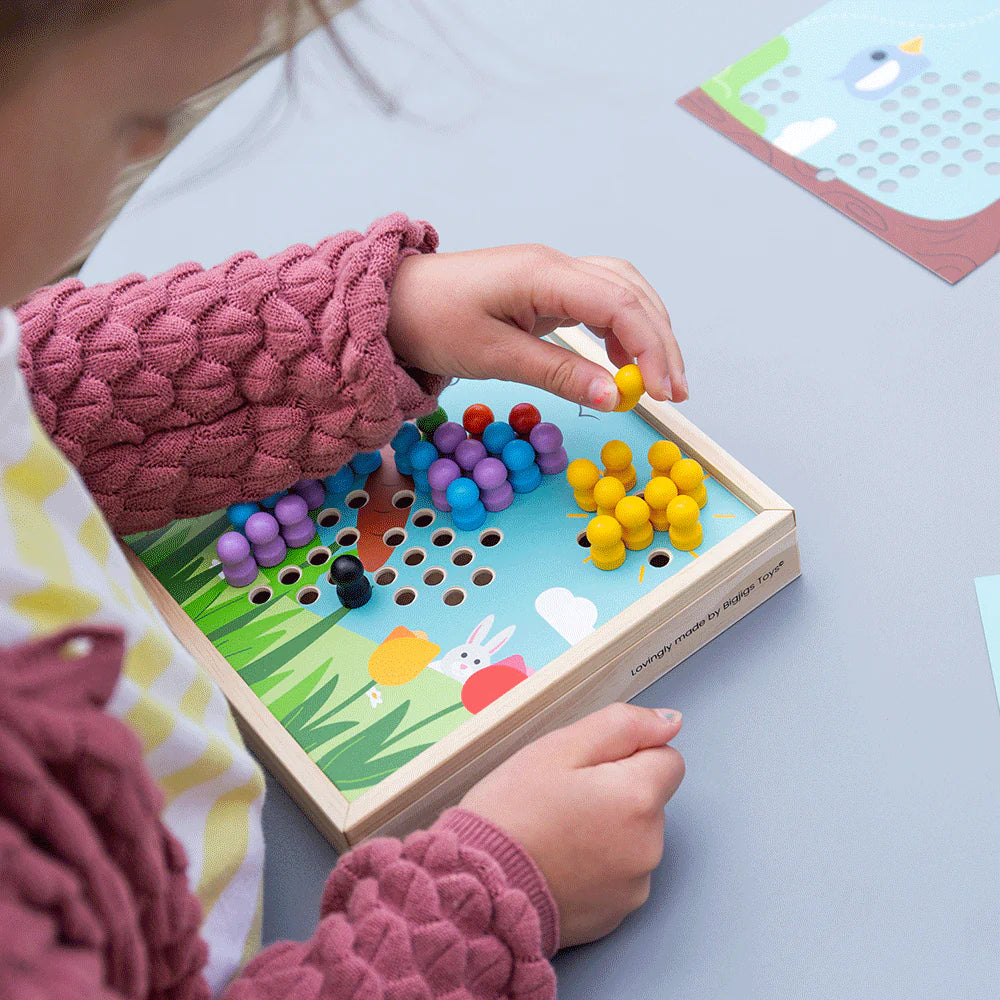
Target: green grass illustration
311,672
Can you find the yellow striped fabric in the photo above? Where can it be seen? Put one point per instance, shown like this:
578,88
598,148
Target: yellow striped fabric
61,565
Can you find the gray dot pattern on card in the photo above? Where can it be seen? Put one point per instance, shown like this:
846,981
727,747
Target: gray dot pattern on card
922,121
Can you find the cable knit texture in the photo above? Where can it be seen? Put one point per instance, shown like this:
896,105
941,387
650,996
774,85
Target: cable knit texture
94,902
434,916
181,394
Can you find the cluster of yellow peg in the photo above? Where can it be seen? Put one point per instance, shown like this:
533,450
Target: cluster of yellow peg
671,501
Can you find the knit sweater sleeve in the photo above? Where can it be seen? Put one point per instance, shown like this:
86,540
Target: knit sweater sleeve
457,911
180,394
95,902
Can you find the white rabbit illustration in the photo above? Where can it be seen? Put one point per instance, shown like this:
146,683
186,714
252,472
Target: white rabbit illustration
461,662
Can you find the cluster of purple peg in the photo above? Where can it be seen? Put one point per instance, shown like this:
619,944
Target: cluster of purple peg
491,466
263,532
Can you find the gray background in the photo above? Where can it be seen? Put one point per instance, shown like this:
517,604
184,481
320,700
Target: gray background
838,832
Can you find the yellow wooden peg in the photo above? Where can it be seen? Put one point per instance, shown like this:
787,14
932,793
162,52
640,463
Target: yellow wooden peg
630,387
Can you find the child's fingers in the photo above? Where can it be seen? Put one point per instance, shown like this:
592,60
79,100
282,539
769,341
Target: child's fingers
653,775
554,369
650,357
631,273
647,344
617,354
602,300
617,732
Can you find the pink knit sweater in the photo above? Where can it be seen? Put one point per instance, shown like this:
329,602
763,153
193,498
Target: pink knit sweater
176,396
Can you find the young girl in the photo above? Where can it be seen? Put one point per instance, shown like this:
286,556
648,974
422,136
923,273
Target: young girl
130,841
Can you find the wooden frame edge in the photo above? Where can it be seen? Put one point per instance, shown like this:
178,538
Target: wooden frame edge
594,689
531,698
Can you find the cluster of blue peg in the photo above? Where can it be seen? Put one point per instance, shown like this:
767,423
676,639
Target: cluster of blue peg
470,475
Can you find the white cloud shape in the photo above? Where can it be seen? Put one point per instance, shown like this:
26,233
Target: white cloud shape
799,136
572,617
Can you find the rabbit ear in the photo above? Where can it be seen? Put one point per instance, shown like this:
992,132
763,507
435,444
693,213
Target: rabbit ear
481,631
500,638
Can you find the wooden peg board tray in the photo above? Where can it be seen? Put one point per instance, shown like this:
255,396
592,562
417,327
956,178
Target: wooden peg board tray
367,716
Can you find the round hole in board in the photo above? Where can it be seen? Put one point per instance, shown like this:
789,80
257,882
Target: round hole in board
318,556
443,537
491,537
659,558
290,575
423,518
462,557
260,595
328,517
347,537
582,540
385,576
414,557
403,499
307,595
433,576
356,499
453,596
394,537
483,577
404,596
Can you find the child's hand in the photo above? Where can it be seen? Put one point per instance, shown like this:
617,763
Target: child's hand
480,314
586,802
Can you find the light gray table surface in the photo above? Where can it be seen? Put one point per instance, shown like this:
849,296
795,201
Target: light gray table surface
838,832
